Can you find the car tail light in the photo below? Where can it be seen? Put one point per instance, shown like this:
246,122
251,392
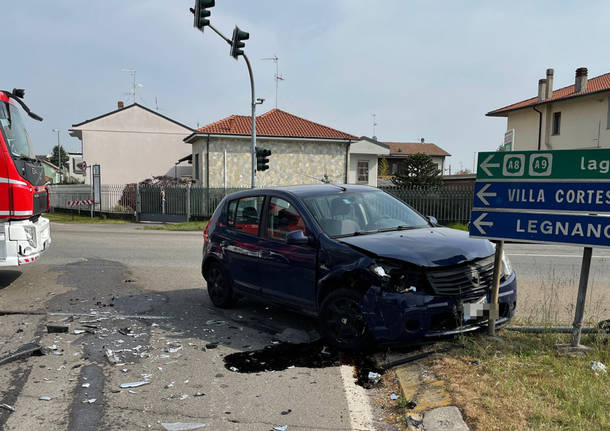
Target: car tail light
205,232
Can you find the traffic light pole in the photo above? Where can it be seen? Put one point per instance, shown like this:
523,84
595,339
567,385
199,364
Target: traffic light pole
253,143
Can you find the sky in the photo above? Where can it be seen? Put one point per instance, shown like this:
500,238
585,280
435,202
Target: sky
426,69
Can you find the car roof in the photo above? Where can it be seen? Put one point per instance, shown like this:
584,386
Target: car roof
312,189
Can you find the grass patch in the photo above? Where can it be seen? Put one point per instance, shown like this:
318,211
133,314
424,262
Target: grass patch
519,382
459,226
186,226
75,218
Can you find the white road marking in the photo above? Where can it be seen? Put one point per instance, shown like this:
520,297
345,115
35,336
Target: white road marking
357,401
555,255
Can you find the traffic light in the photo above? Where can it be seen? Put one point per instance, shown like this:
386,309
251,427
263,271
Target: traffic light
262,162
237,44
201,13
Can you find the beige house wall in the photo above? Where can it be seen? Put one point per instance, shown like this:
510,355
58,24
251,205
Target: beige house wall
291,161
132,145
584,123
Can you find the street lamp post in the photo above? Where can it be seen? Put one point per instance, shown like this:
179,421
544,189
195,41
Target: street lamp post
59,156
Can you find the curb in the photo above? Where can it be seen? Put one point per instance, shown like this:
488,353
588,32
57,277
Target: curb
433,409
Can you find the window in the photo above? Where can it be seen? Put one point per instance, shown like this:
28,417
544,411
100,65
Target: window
363,171
556,122
283,219
244,214
196,165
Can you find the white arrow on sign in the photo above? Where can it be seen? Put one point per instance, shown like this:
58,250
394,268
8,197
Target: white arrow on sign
481,194
486,165
478,223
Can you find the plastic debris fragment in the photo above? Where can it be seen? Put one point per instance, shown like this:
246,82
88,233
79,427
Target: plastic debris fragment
133,384
598,366
374,377
79,331
85,385
45,398
90,401
7,407
393,397
280,428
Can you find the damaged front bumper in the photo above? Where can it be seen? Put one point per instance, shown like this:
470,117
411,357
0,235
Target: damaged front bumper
394,317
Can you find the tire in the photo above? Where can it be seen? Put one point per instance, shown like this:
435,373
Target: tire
342,322
219,286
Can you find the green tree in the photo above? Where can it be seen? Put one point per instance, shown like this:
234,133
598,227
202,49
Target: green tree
417,170
59,153
384,167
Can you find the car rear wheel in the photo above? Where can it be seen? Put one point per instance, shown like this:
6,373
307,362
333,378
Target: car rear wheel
342,322
219,287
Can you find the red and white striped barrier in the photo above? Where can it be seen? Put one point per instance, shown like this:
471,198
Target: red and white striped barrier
77,203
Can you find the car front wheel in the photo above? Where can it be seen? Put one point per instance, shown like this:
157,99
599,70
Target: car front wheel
219,287
342,322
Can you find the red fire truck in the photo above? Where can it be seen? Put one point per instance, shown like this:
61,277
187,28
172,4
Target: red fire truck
24,196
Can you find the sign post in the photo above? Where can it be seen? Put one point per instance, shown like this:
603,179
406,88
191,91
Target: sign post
544,197
97,187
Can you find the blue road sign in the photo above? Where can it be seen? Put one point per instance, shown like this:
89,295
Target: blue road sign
541,195
584,230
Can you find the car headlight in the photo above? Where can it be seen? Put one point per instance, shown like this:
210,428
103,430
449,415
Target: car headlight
396,277
507,268
30,233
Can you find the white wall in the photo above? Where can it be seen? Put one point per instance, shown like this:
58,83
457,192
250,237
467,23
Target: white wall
132,145
582,120
352,175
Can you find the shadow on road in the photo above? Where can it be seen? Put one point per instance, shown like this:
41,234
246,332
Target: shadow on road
7,277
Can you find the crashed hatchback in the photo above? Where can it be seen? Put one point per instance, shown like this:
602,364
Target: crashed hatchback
370,267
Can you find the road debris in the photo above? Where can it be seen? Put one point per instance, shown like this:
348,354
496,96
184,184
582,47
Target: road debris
182,426
280,428
54,329
7,407
133,384
184,397
30,349
79,331
112,358
85,385
45,398
90,401
393,397
286,412
598,366
374,377
215,322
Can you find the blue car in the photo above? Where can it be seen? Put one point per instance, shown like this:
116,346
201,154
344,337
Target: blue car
372,269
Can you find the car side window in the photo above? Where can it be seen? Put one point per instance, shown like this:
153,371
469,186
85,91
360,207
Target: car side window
245,214
282,219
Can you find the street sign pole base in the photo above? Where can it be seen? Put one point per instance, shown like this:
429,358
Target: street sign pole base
569,350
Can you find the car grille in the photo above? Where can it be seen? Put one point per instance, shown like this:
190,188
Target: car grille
469,281
40,202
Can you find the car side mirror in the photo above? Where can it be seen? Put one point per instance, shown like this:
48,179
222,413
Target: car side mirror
297,237
432,220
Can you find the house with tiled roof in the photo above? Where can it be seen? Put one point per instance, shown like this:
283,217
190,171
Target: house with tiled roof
398,151
302,151
576,116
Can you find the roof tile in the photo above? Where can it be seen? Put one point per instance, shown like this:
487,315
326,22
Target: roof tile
400,148
599,83
274,123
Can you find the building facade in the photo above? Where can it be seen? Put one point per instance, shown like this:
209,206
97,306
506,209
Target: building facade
302,152
576,116
364,160
400,150
131,144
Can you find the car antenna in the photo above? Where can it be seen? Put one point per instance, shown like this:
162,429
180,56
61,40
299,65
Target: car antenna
337,185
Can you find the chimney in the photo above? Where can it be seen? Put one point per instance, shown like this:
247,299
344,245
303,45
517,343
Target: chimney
120,104
422,140
541,89
549,83
231,124
580,83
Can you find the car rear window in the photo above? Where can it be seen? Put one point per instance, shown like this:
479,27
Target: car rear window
245,214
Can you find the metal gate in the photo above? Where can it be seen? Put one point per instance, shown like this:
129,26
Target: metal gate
163,204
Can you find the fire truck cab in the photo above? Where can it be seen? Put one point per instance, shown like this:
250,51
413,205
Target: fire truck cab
24,195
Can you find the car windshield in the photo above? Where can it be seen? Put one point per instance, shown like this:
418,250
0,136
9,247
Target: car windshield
357,213
14,132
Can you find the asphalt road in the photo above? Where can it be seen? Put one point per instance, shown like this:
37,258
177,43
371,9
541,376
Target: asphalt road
101,277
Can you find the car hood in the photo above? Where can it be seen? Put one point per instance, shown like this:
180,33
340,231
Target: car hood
430,247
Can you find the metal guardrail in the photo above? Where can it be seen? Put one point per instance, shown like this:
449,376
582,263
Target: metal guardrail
448,204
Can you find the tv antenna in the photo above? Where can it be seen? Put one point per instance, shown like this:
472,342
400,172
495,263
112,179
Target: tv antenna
134,85
277,77
374,125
